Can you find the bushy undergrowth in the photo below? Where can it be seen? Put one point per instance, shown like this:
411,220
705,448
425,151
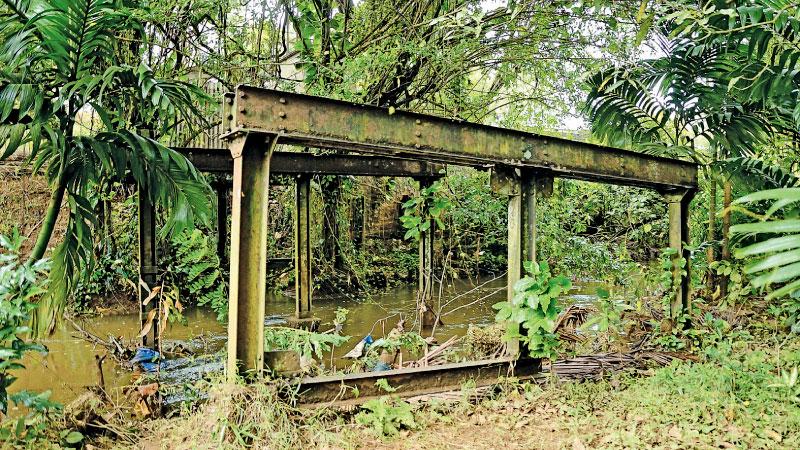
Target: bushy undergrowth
21,283
735,398
740,394
194,268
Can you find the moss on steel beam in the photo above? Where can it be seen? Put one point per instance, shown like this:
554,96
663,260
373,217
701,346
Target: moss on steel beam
320,122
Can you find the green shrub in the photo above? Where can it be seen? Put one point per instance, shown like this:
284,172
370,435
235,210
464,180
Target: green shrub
194,268
19,285
534,308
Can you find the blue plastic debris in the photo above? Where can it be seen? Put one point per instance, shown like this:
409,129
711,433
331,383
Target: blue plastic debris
381,367
147,358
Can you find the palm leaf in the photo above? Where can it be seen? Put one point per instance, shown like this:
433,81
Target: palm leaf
777,256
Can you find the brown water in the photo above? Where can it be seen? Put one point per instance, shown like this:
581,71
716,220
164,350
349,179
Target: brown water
70,365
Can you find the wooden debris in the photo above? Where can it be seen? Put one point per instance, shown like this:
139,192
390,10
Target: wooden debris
148,400
592,367
113,345
430,356
101,381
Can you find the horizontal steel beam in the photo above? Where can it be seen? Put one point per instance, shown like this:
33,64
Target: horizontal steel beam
359,387
319,122
277,265
294,163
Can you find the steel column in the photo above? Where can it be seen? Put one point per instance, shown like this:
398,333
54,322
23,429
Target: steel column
535,186
302,247
529,199
248,270
678,207
148,264
515,231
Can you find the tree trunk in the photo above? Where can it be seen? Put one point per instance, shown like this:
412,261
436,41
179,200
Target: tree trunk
726,228
711,237
53,209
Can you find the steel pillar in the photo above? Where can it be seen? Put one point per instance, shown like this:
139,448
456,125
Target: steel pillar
302,247
248,270
515,232
148,265
678,207
535,186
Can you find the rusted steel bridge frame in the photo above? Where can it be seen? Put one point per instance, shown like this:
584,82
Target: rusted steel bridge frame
525,164
301,166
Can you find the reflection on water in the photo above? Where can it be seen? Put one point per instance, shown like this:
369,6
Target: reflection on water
70,364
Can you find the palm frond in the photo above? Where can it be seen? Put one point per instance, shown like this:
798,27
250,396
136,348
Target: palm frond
756,174
778,255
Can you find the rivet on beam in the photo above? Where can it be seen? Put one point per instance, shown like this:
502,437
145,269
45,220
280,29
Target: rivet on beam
418,134
242,95
282,100
243,111
419,122
282,115
417,146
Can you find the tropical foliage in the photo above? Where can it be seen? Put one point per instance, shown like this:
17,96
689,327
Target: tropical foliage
306,344
194,268
530,316
20,285
75,98
776,250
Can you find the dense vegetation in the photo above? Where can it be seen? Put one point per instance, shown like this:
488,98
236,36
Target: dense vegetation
93,92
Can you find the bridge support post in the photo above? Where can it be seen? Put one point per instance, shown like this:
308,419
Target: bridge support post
302,247
148,266
508,181
534,187
248,272
425,276
222,222
678,208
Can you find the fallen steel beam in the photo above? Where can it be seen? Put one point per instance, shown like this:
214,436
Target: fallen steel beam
359,387
295,163
319,122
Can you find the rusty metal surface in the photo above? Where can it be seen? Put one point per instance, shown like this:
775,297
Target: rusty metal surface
248,255
294,163
148,266
319,122
678,210
303,277
410,382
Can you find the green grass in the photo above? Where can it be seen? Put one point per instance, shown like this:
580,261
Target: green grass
730,400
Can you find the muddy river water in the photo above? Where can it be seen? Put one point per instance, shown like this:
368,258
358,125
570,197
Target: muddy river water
70,364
